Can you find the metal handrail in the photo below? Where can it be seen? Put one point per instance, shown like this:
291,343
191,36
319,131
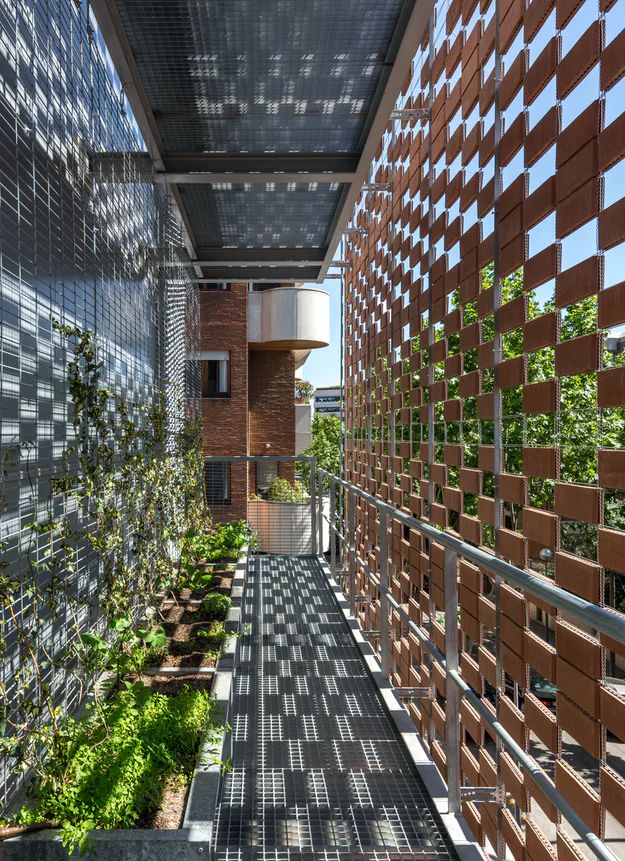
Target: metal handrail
602,620
598,617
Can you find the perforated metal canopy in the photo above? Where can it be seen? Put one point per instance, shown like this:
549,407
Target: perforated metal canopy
263,116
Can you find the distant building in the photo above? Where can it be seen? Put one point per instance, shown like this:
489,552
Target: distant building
328,401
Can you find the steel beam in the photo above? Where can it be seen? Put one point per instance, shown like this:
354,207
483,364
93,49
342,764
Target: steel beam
261,272
409,32
260,256
208,168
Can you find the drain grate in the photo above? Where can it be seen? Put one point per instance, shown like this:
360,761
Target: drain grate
318,770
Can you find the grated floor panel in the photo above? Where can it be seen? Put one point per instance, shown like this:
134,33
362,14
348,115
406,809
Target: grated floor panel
318,771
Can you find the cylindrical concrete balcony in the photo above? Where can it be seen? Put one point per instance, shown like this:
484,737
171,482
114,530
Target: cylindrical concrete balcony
288,318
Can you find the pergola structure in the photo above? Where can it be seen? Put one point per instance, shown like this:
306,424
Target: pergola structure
262,121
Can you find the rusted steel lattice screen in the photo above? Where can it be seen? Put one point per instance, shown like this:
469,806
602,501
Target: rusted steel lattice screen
485,387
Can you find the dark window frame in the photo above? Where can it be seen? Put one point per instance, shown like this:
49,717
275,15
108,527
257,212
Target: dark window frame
217,487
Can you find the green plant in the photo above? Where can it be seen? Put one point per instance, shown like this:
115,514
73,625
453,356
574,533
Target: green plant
304,390
217,604
325,447
223,542
110,770
214,636
283,491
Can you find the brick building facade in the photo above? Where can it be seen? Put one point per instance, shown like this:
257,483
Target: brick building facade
255,414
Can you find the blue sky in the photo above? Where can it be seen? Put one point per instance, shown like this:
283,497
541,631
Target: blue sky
323,367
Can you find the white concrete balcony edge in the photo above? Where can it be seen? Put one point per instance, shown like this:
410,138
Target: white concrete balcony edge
288,318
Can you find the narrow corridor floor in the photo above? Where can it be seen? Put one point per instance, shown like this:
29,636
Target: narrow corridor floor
318,770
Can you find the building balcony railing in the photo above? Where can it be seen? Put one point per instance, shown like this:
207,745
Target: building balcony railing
289,318
454,684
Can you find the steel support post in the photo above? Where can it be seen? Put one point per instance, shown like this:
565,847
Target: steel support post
351,548
313,506
452,703
320,514
385,644
332,527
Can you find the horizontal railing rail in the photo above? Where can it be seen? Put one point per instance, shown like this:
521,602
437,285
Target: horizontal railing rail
598,618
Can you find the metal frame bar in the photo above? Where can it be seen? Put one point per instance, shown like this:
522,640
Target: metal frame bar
602,620
199,167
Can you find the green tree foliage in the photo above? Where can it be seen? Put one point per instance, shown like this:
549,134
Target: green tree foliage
326,446
304,390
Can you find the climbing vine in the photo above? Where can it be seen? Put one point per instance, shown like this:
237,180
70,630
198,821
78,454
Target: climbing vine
127,490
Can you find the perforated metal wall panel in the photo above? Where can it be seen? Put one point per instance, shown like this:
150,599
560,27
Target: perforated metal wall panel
80,252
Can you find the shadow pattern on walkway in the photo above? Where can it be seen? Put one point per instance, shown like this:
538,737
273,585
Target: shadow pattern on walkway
318,770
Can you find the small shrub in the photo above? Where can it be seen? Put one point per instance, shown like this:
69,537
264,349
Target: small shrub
213,637
217,604
283,491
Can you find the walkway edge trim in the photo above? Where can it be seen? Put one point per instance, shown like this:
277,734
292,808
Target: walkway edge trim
455,824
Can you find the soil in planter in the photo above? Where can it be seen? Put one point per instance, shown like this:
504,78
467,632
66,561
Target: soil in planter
194,636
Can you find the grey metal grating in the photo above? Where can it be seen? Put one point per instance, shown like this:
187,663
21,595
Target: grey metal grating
318,770
261,216
251,77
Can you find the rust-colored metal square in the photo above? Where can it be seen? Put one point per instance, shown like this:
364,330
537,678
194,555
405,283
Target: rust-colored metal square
579,794
540,397
578,355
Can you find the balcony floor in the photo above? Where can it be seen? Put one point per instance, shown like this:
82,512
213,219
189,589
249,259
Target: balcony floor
318,768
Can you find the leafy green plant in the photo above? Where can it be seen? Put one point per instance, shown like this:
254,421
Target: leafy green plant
110,770
213,637
217,604
283,491
222,543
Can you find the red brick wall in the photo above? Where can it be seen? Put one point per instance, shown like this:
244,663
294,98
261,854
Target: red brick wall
223,326
272,404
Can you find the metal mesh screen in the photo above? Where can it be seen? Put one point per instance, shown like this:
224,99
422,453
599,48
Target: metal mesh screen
281,77
261,216
84,253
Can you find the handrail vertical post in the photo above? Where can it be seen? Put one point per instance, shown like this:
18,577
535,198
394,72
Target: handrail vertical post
452,701
384,605
320,512
313,505
351,548
332,526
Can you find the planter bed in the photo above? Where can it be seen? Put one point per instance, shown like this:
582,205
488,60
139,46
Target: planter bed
181,823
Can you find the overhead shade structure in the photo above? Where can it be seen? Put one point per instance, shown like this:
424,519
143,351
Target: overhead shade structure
263,117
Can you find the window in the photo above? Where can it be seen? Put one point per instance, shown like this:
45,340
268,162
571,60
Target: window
217,481
214,373
214,285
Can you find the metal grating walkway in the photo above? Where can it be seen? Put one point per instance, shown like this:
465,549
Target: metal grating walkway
318,770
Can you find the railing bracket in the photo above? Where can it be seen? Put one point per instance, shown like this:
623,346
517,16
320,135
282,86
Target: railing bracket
483,794
414,694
